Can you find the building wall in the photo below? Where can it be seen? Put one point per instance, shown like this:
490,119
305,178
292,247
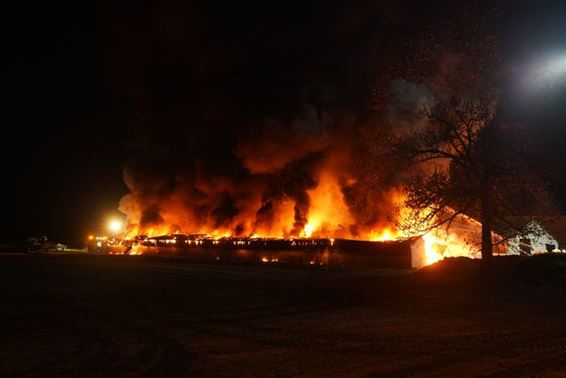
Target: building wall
535,242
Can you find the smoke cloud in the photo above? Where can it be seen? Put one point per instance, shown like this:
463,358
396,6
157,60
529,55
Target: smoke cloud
243,125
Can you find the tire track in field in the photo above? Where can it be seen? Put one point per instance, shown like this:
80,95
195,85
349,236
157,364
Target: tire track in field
98,349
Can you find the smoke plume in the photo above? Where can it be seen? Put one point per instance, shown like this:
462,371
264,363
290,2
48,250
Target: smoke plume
246,126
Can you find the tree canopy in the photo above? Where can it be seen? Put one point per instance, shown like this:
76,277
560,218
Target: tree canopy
467,159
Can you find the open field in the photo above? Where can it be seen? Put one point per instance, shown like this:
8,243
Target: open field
129,315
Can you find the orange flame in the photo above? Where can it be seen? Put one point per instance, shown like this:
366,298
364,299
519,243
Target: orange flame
329,216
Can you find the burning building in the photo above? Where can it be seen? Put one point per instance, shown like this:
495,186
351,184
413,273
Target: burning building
220,150
399,254
310,186
389,248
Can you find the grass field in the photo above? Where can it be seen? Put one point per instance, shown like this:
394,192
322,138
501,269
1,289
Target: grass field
129,315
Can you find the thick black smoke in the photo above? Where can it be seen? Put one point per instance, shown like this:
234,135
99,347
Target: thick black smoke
238,108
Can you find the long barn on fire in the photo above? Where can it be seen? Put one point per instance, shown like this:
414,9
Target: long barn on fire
399,254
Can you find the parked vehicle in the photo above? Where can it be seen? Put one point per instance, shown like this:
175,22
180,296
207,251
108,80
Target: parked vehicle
41,244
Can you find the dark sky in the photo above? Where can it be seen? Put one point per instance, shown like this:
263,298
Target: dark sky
83,84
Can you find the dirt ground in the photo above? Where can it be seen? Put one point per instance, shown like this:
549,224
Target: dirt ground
135,315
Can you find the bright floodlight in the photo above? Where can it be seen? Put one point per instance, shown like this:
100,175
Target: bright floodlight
547,72
115,226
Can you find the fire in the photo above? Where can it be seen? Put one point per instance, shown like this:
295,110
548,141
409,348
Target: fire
383,235
433,248
440,244
328,215
436,246
325,214
309,228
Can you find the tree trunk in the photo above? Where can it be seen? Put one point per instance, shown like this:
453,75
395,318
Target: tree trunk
486,242
486,225
485,195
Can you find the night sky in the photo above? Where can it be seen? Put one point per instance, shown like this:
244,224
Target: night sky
88,86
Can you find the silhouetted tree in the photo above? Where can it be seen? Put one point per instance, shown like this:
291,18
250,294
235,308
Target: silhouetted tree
471,161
